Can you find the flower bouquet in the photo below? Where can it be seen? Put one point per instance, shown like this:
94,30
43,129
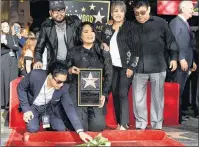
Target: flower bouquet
99,140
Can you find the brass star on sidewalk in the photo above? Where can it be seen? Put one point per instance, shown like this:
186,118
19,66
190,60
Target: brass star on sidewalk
178,135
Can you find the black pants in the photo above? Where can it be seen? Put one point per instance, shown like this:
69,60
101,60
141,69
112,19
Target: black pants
181,77
187,100
92,118
120,88
38,111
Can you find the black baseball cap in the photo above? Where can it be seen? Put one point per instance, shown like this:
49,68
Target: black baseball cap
58,5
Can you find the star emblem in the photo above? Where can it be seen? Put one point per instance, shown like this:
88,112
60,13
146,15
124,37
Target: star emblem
83,9
98,17
178,135
90,81
92,7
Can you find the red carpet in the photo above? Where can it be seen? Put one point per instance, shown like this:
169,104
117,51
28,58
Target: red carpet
171,107
117,138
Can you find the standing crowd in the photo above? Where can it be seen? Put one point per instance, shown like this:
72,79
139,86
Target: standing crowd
127,52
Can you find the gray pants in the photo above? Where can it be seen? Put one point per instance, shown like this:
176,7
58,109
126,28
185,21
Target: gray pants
157,99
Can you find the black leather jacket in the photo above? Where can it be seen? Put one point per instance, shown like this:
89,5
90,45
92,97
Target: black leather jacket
128,43
48,38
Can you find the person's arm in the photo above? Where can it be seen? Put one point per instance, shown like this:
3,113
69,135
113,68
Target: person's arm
134,43
29,58
170,42
40,46
12,43
108,72
179,37
70,109
4,49
22,90
28,65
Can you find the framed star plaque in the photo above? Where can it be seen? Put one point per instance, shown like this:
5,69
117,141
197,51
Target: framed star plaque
89,87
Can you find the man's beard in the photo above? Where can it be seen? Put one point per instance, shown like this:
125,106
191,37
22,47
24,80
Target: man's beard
60,21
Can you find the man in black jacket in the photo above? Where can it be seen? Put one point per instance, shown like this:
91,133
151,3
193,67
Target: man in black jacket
57,34
156,39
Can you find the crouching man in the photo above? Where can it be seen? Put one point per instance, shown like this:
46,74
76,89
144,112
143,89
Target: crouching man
43,96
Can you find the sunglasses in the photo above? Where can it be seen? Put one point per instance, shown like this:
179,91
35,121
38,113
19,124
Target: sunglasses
58,81
142,13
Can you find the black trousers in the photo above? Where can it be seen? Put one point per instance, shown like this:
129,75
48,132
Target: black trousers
187,100
92,118
120,89
181,77
38,111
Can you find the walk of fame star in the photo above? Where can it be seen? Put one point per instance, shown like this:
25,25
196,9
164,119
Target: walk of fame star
90,81
98,17
178,135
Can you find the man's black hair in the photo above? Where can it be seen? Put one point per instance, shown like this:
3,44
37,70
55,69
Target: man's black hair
57,68
140,3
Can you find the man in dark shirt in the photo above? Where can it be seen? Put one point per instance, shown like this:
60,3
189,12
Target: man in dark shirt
156,40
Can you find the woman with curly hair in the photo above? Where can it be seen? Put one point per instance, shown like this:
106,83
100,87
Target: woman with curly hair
26,59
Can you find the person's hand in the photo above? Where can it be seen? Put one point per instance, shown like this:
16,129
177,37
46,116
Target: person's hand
102,101
129,73
110,22
173,65
38,65
85,137
105,47
74,70
194,67
27,116
184,65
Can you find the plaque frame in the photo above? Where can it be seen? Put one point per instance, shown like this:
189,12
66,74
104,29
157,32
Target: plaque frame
79,85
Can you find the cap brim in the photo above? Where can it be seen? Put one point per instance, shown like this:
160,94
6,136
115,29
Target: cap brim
58,8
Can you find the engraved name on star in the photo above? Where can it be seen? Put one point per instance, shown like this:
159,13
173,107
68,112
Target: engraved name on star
92,7
98,17
90,81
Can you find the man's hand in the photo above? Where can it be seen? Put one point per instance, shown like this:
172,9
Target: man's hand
129,73
85,137
194,67
38,65
27,116
105,47
102,101
74,70
110,22
173,65
184,65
